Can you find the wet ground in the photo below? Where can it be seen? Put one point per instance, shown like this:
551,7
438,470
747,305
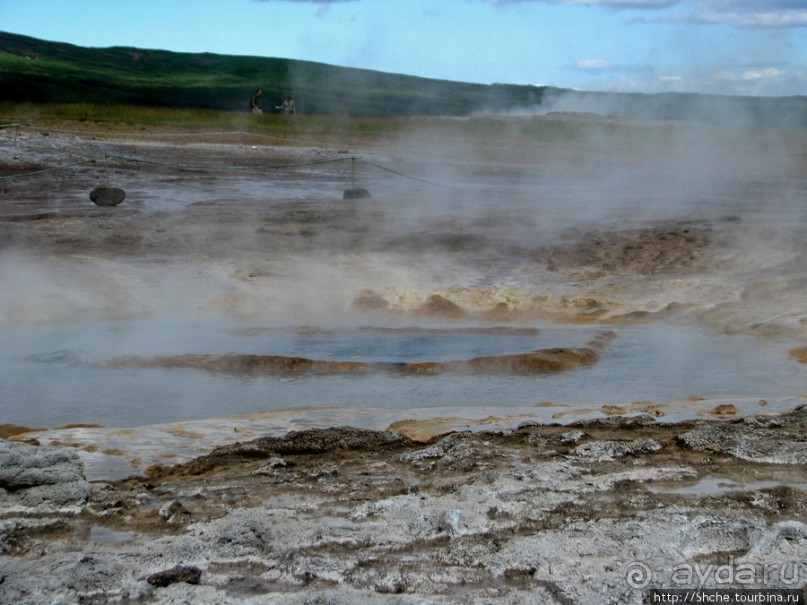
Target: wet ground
234,294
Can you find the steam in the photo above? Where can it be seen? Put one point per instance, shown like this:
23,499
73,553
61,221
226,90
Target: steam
565,171
464,208
465,205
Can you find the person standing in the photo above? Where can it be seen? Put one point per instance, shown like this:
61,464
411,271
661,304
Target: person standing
287,106
255,101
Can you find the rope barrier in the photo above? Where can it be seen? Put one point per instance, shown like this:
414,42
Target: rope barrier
155,162
198,168
51,169
16,128
169,134
202,169
408,176
304,164
129,134
166,164
246,133
136,134
276,138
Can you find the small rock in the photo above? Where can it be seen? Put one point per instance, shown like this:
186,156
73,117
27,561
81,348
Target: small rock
452,522
187,574
272,464
107,196
455,451
600,451
174,513
370,301
572,437
439,305
721,411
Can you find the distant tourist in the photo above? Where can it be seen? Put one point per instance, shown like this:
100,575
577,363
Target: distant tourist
287,106
255,101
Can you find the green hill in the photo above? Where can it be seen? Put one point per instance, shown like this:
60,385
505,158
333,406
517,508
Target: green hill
33,70
39,71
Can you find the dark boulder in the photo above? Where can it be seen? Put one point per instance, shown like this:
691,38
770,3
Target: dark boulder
356,194
190,575
107,196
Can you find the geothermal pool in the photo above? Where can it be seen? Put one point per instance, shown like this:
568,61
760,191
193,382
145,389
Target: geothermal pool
697,265
50,375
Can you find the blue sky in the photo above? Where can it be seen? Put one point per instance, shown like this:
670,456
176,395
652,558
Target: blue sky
749,47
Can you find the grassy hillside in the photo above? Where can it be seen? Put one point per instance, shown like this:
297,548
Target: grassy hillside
37,71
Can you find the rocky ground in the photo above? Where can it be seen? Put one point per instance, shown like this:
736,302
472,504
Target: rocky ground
596,511
592,512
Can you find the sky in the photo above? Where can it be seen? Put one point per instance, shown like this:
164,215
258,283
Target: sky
745,47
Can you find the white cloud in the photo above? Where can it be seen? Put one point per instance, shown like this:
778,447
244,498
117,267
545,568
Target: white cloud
752,80
615,4
600,67
768,81
753,19
769,73
751,75
593,64
762,14
322,5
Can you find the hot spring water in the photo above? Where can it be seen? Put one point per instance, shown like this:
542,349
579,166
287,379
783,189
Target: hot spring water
50,375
